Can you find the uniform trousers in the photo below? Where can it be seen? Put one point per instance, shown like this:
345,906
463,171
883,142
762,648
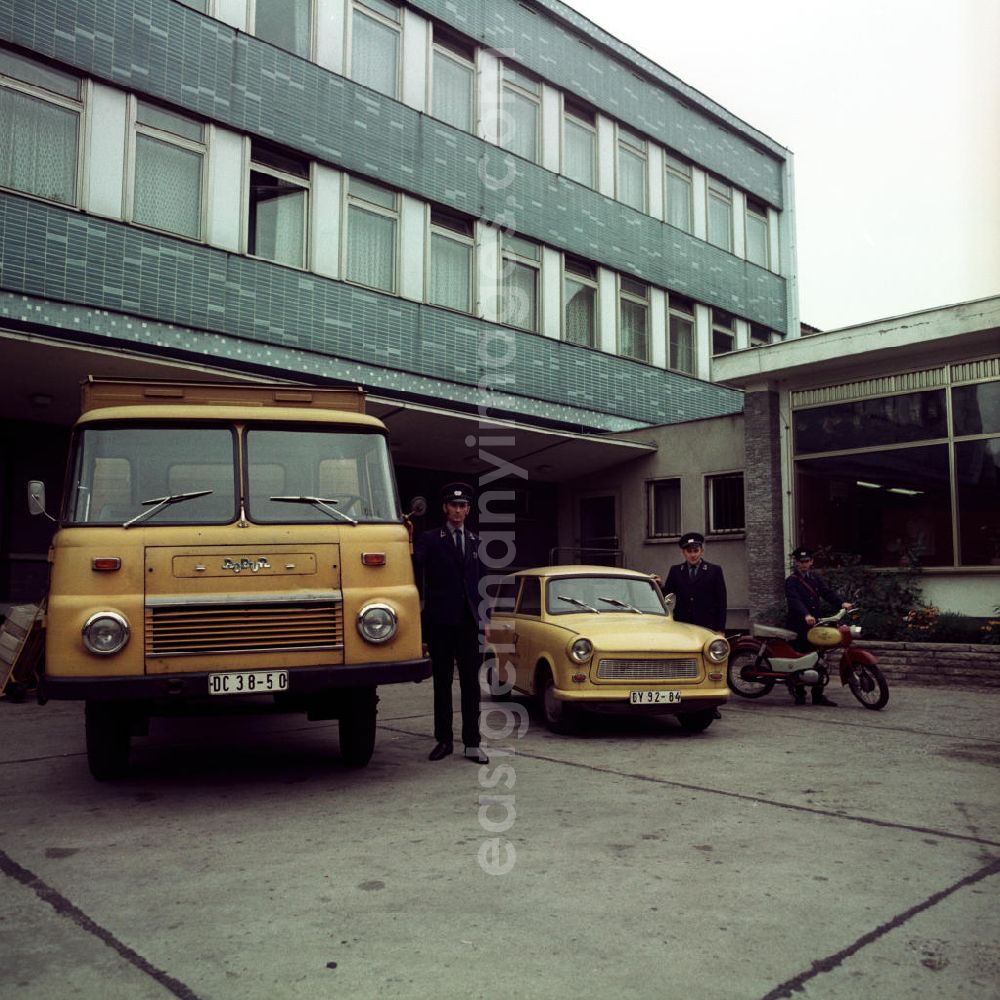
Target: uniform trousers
450,645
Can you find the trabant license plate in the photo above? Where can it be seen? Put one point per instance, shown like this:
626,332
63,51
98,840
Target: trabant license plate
248,682
654,697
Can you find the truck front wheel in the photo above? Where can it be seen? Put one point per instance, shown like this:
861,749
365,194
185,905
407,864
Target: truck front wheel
357,726
109,734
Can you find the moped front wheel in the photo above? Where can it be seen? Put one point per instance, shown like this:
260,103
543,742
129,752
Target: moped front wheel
868,685
740,674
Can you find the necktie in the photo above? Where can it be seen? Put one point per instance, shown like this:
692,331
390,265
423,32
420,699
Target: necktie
457,535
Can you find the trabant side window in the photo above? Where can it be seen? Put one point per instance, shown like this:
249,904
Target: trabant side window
502,594
122,472
305,475
530,600
586,594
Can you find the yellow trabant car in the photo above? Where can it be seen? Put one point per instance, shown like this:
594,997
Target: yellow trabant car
597,637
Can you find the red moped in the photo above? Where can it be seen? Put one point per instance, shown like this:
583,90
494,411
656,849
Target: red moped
766,657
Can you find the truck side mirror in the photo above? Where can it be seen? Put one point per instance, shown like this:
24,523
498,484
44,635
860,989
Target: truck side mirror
418,507
36,497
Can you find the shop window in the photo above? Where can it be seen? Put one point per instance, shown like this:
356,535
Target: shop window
664,507
375,44
372,224
40,110
633,313
580,302
724,501
451,260
977,472
278,206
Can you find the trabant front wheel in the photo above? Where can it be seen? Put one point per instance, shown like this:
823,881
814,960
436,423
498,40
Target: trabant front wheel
109,735
696,722
559,716
358,716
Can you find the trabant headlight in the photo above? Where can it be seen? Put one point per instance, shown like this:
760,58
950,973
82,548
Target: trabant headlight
105,633
717,650
581,650
377,623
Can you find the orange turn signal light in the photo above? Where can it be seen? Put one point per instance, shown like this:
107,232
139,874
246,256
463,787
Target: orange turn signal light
106,564
372,558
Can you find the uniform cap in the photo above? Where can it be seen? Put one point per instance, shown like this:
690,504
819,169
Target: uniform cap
457,492
802,553
691,538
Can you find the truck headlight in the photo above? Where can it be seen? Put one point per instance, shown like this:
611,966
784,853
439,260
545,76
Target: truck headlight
581,650
105,633
377,623
717,650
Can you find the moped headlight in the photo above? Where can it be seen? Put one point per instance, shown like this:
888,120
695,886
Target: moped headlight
717,650
377,623
105,633
581,650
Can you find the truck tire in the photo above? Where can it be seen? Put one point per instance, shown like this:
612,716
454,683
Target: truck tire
358,717
109,735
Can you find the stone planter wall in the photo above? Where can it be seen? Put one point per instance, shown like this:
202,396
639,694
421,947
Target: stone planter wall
936,662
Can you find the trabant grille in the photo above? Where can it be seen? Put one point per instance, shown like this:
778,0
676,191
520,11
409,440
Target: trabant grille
243,627
648,670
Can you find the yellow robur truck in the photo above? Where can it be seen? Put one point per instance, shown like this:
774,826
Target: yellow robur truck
222,544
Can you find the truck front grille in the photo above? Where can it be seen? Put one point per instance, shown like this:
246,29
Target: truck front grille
648,670
198,629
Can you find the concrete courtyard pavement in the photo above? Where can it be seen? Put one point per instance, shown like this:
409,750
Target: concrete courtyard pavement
826,854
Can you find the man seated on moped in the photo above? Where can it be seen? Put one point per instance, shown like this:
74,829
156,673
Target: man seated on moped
805,591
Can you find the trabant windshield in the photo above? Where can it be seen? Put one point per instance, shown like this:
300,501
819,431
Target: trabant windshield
154,475
585,594
319,476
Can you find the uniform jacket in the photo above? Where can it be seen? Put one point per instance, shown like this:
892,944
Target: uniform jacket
805,593
448,582
701,601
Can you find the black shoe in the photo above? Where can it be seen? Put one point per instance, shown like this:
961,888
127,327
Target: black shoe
441,750
799,696
821,699
477,755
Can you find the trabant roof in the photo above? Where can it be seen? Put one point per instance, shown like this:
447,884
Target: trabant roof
553,571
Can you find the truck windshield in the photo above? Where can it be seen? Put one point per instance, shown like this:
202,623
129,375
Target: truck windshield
153,475
312,476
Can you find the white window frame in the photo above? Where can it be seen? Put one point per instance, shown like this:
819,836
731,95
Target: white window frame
678,309
756,214
585,122
355,201
450,226
309,53
515,253
518,84
628,143
673,483
573,270
376,11
719,193
162,135
57,99
633,297
681,172
710,503
444,47
258,165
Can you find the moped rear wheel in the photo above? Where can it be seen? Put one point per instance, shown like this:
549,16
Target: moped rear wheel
868,685
741,665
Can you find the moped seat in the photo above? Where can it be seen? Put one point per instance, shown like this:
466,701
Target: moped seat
771,632
805,662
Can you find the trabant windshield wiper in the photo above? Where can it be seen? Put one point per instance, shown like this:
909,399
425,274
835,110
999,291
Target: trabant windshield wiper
158,503
322,503
579,604
620,604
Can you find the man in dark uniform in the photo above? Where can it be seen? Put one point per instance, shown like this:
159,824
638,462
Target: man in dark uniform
805,592
447,565
699,586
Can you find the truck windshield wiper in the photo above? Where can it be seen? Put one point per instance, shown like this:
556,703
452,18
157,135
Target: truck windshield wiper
158,503
322,503
578,603
620,604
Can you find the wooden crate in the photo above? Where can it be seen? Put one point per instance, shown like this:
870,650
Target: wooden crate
22,647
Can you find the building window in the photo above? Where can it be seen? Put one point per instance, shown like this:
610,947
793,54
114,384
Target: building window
758,242
169,164
634,319
40,124
631,169
579,142
278,210
285,23
760,336
664,506
453,77
521,268
520,106
201,5
681,347
375,42
723,332
451,260
372,220
579,302
724,497
680,189
720,214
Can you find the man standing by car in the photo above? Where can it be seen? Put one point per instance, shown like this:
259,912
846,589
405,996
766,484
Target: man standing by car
699,586
448,569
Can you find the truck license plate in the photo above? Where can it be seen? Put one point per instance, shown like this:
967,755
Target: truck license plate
248,682
654,697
